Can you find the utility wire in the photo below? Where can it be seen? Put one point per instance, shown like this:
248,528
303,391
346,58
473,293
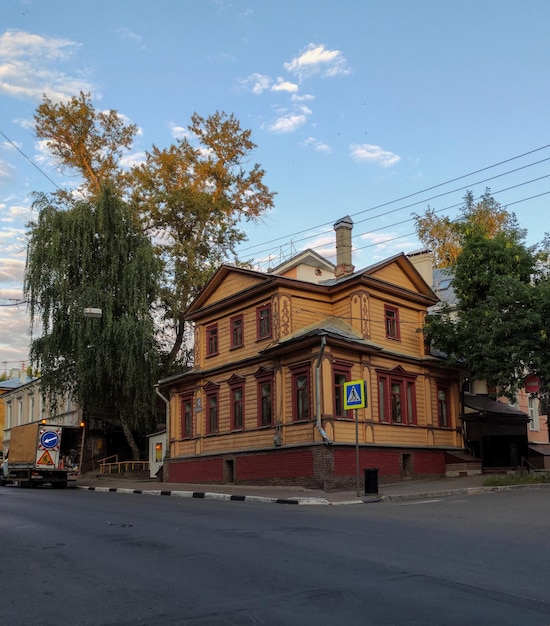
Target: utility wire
416,193
447,208
372,245
411,234
406,197
29,159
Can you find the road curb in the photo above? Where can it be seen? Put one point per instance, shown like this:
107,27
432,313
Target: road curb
207,495
310,501
468,491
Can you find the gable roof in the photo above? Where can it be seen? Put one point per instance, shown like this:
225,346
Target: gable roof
247,279
377,272
231,281
307,257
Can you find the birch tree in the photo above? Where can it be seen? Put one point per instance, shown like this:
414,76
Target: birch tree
94,254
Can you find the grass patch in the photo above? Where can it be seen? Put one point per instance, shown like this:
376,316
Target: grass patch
517,479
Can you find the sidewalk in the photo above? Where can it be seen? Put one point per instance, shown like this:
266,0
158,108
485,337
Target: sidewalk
404,490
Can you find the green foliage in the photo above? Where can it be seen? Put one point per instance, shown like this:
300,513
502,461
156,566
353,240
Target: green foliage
94,255
190,197
517,479
81,138
500,326
445,237
485,262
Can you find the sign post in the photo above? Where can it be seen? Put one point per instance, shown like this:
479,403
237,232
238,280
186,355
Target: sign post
355,397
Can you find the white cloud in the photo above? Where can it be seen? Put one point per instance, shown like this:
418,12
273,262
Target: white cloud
43,154
131,160
30,66
14,213
317,145
373,154
324,244
288,122
126,33
316,59
284,85
178,132
381,244
257,83
14,332
6,170
305,97
11,270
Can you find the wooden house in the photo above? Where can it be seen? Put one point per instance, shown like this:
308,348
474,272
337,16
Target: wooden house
264,402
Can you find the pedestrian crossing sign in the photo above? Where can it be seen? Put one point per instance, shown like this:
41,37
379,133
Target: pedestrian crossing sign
355,395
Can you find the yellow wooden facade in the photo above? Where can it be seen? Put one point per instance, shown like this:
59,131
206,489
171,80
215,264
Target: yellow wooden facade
337,327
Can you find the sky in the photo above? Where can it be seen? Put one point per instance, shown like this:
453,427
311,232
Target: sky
376,109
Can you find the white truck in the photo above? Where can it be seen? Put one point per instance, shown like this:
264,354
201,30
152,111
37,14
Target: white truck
35,457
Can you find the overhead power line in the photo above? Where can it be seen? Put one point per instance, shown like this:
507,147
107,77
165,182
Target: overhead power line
318,233
411,219
372,245
29,159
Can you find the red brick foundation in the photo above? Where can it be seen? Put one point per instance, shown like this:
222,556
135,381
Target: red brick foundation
321,467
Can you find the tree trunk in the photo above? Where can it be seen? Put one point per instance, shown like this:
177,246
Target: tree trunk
130,438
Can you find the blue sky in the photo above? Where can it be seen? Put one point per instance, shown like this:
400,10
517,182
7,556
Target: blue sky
368,108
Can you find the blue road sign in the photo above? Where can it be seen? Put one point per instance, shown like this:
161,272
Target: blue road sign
49,439
355,395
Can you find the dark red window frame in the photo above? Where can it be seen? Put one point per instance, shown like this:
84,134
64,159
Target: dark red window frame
391,322
443,406
212,409
236,328
187,416
236,409
265,381
301,393
397,399
212,340
263,322
340,374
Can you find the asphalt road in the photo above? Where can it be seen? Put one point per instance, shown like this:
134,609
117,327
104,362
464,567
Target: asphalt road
72,558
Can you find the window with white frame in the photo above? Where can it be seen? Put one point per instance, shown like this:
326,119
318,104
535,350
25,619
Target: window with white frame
534,422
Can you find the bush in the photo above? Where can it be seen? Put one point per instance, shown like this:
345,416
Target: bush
532,478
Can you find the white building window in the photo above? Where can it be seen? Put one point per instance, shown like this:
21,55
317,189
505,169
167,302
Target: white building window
534,423
19,412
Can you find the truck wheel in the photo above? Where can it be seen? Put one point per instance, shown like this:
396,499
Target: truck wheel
61,485
2,482
25,484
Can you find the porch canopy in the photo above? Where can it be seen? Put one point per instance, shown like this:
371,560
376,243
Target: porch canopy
494,431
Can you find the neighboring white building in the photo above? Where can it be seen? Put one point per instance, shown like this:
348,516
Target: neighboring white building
24,404
157,450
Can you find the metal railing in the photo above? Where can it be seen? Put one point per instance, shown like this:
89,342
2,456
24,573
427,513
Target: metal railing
119,467
526,465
